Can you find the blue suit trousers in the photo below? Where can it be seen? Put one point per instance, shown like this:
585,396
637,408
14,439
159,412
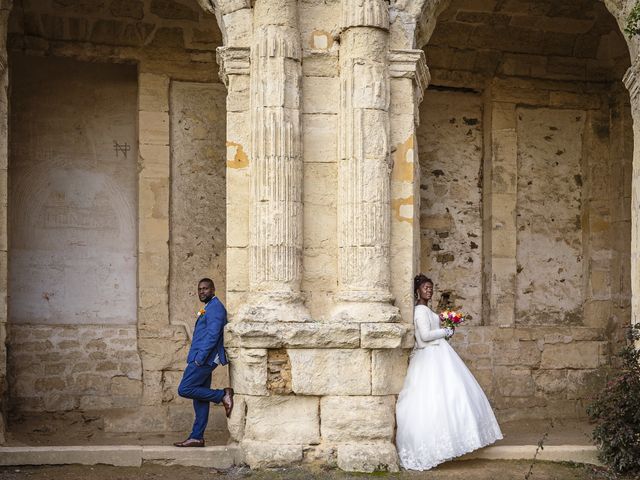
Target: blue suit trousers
196,385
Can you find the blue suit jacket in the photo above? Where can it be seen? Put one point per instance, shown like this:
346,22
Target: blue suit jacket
208,338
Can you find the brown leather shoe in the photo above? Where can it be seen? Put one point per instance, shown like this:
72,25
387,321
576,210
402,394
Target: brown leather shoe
227,401
190,442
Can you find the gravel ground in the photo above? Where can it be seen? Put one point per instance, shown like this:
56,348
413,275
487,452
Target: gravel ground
466,470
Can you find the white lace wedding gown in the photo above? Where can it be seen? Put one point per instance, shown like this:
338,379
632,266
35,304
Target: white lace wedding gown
442,411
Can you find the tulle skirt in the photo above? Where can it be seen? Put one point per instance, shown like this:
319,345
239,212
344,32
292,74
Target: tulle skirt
442,411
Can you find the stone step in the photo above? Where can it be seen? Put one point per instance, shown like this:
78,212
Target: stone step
122,456
550,453
226,456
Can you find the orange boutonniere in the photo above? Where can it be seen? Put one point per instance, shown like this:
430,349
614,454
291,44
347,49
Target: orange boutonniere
199,312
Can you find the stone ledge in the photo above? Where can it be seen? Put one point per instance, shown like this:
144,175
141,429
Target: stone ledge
303,335
385,335
210,457
123,456
551,453
119,456
133,456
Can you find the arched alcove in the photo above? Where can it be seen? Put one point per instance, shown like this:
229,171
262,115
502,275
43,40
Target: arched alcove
526,147
148,69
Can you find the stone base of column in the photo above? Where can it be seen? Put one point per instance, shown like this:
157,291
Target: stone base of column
368,457
365,312
274,307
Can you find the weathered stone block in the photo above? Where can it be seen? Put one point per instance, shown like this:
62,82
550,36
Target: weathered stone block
514,382
278,335
353,418
517,353
320,64
368,457
282,419
551,381
384,335
239,28
320,132
236,421
581,355
143,419
153,92
154,127
125,386
320,94
264,455
331,371
248,370
388,369
583,384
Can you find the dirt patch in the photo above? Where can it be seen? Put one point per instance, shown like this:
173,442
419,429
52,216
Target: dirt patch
469,470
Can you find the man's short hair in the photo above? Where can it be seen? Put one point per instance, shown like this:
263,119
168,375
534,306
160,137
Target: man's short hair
207,280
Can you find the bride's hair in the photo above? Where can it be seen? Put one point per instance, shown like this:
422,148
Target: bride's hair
419,280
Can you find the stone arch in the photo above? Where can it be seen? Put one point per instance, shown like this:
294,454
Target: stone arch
235,19
498,125
413,21
177,100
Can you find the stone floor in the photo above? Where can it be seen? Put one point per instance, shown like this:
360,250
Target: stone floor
469,470
80,429
74,428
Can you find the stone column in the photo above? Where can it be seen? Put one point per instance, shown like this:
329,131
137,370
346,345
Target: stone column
632,82
364,220
275,225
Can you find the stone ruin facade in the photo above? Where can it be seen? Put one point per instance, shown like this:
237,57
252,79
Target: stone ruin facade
311,157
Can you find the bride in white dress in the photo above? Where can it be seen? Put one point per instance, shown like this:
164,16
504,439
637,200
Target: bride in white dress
442,411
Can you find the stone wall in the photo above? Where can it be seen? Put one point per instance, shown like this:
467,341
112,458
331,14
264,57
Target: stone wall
172,44
451,134
66,367
4,147
526,112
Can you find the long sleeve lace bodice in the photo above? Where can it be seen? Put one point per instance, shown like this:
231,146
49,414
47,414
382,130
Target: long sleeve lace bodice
427,325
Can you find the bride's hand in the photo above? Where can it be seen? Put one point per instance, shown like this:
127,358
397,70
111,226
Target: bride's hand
449,332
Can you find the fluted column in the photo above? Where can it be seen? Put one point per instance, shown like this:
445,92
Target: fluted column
275,231
364,222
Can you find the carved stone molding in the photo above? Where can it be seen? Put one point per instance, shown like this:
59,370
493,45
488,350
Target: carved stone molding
365,13
233,61
631,80
224,7
410,64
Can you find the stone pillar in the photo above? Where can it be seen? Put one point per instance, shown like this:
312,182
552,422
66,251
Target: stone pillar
234,72
275,225
364,219
5,8
632,82
302,386
409,79
499,211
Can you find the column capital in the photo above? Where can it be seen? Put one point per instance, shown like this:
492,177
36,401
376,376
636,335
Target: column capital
410,63
233,61
365,13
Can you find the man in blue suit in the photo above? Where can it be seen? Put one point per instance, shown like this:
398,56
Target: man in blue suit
205,354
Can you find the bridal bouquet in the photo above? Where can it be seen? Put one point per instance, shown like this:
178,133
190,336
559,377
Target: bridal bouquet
451,319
